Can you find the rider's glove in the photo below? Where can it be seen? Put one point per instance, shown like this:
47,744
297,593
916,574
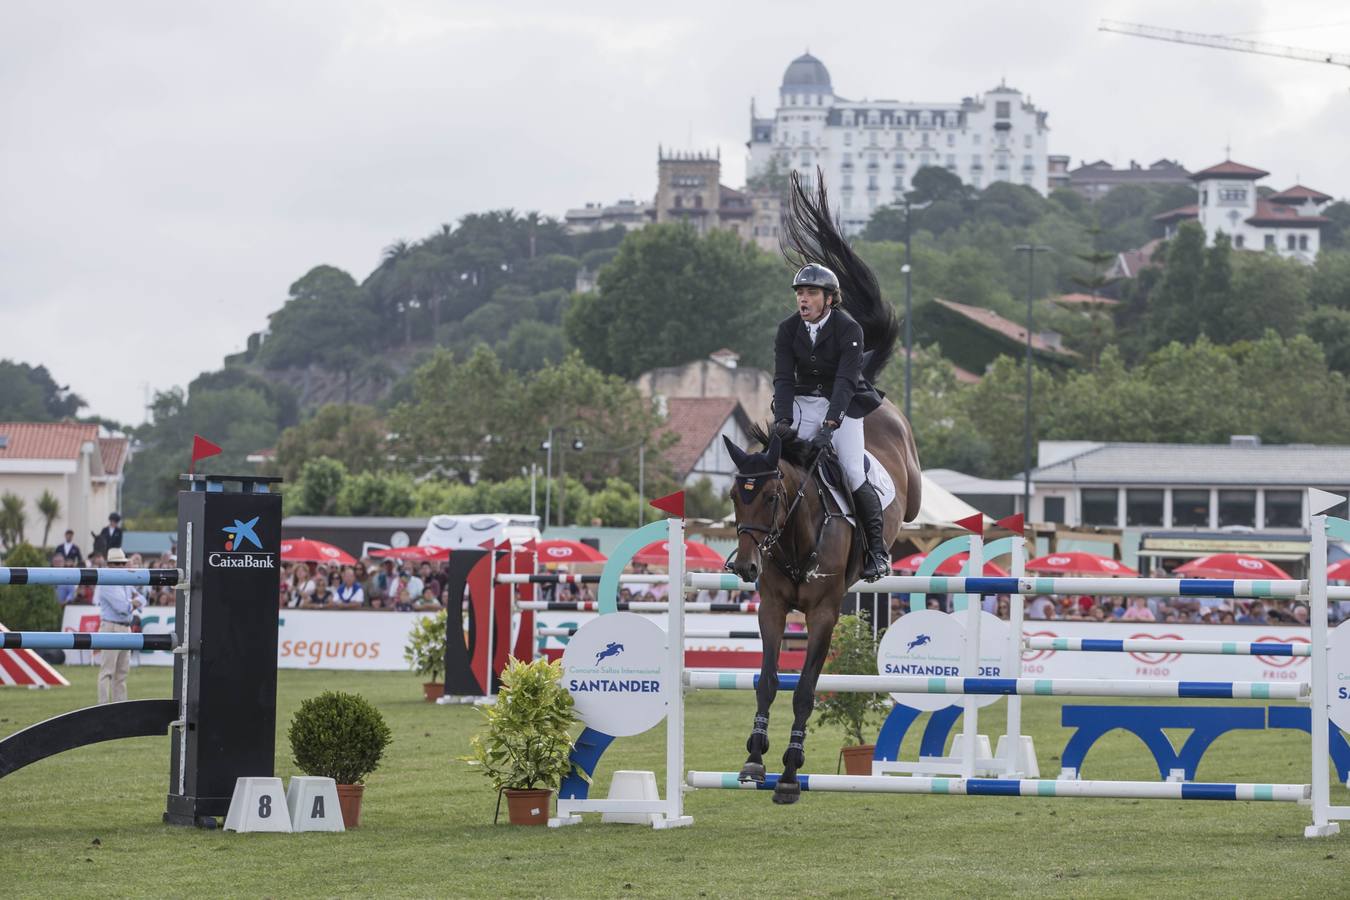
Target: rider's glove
822,438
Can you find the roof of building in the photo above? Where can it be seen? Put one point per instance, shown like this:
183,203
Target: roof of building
991,320
1085,300
1297,194
1176,215
1288,464
696,422
965,376
114,453
1230,169
1101,171
807,74
1131,262
1279,215
45,440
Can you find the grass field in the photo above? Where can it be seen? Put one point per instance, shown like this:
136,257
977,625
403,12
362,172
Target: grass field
87,823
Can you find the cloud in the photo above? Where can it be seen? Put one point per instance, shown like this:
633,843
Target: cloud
169,169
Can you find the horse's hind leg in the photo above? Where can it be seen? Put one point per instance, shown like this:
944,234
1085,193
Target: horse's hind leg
820,621
772,621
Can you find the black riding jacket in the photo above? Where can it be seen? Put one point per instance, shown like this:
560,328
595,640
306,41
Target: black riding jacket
832,367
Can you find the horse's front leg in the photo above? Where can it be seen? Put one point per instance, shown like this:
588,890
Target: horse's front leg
772,621
820,620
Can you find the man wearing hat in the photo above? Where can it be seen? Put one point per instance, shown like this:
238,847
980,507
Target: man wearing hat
117,604
110,536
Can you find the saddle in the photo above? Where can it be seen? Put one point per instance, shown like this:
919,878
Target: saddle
831,476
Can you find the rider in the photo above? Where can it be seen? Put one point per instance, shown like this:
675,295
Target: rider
819,391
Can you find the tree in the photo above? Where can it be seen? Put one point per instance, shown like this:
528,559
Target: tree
12,519
672,295
327,321
1268,292
933,183
1336,234
351,434
28,607
1330,327
376,494
30,394
1330,282
1213,294
1171,306
703,501
316,492
50,508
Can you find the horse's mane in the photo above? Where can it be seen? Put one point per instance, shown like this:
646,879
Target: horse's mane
810,234
795,450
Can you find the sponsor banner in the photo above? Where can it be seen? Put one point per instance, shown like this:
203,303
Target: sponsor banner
306,639
1060,663
615,669
928,642
1338,675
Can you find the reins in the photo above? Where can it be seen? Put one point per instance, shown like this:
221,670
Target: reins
798,572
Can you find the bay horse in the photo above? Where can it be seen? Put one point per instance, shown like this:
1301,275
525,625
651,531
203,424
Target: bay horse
789,535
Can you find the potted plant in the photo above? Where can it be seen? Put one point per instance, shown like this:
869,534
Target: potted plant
425,653
853,651
525,749
342,737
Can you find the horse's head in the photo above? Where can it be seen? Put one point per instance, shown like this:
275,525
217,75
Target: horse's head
756,495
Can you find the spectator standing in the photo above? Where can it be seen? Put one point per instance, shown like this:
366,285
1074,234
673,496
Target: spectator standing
110,537
70,552
65,593
349,593
1138,611
117,605
1041,607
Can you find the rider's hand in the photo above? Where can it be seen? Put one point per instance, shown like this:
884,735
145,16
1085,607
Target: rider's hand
782,429
823,437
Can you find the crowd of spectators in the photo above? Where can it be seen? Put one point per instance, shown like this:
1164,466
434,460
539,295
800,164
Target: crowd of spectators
388,584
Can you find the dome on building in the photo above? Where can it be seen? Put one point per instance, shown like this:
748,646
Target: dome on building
806,74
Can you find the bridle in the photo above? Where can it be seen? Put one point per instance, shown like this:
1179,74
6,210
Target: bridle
774,533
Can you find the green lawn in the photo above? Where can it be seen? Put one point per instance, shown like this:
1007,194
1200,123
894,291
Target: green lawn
87,823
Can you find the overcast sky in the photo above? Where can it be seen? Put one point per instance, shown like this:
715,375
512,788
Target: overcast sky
168,169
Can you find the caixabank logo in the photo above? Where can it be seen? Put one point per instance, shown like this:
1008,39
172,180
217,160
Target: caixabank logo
236,554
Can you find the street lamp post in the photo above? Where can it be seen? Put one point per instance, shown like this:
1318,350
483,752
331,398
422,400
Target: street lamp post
907,268
1030,250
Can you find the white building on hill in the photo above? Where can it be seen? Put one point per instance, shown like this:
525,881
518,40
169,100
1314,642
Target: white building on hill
869,150
1288,222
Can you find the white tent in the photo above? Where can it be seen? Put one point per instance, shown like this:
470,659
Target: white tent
942,508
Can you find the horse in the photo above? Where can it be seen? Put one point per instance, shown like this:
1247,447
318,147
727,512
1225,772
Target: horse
789,540
788,534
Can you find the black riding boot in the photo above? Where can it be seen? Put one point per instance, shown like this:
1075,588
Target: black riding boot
876,559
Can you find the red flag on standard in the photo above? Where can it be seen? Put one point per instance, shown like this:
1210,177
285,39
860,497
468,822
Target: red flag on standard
1015,523
671,503
973,523
202,449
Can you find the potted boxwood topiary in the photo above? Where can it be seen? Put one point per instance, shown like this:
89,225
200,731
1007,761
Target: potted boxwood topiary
853,651
525,751
426,653
342,737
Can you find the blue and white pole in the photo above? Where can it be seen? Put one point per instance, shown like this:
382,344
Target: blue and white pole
130,577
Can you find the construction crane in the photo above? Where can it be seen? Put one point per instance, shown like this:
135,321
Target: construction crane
1219,42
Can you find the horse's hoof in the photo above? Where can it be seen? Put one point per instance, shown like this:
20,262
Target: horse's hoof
787,792
752,772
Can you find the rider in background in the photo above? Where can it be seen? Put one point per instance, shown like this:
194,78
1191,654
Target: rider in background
819,391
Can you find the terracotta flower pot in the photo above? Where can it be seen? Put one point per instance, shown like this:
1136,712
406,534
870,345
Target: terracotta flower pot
433,690
858,759
527,807
349,801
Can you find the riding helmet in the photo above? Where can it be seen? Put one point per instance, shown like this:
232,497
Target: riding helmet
816,275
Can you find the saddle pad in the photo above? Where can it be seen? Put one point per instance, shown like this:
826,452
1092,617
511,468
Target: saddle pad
876,474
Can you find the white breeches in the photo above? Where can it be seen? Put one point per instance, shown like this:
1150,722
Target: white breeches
809,412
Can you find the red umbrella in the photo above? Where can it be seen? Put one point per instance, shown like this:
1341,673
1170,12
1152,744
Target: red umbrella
429,554
1078,563
696,555
951,566
561,550
1339,571
305,550
1231,565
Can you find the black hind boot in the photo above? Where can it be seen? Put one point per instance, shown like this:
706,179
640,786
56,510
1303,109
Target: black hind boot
876,559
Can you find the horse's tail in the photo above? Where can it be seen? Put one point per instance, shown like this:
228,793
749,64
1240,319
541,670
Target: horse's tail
810,234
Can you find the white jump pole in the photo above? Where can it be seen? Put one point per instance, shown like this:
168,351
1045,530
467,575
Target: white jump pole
1013,732
1322,810
675,817
970,660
